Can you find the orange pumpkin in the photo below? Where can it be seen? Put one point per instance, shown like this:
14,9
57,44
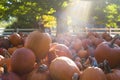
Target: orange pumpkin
12,49
15,39
83,53
108,51
22,61
93,73
39,43
63,68
62,50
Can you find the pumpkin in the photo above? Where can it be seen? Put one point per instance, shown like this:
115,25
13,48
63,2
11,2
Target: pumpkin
78,63
12,49
39,43
93,73
15,39
4,52
83,53
41,73
76,44
86,42
4,42
61,50
111,74
22,61
108,51
63,68
106,36
9,75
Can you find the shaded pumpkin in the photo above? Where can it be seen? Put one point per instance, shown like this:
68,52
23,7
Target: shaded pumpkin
39,43
83,53
76,44
108,51
4,42
63,68
9,75
113,75
15,39
12,49
22,61
41,73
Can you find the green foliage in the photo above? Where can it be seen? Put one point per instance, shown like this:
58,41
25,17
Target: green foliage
112,15
28,12
107,12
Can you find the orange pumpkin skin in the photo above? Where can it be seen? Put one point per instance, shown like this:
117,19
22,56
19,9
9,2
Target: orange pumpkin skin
77,44
15,39
11,50
22,61
114,75
62,50
63,68
112,55
93,73
39,43
83,53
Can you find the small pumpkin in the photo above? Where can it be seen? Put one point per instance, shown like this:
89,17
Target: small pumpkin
15,39
63,68
39,43
83,53
62,50
22,61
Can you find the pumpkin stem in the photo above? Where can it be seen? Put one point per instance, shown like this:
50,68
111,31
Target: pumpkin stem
42,68
6,54
75,76
5,68
93,61
113,41
106,66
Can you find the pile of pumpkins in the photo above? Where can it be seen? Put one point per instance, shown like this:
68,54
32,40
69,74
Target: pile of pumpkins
38,56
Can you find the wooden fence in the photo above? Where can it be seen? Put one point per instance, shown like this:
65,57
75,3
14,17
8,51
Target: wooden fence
111,31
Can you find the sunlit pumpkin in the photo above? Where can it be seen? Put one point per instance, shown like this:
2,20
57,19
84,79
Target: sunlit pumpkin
39,43
63,68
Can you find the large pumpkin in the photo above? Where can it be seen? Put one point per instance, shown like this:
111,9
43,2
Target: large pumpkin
63,68
39,43
108,51
22,61
93,73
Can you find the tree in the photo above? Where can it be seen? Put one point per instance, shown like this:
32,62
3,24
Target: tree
29,12
107,12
